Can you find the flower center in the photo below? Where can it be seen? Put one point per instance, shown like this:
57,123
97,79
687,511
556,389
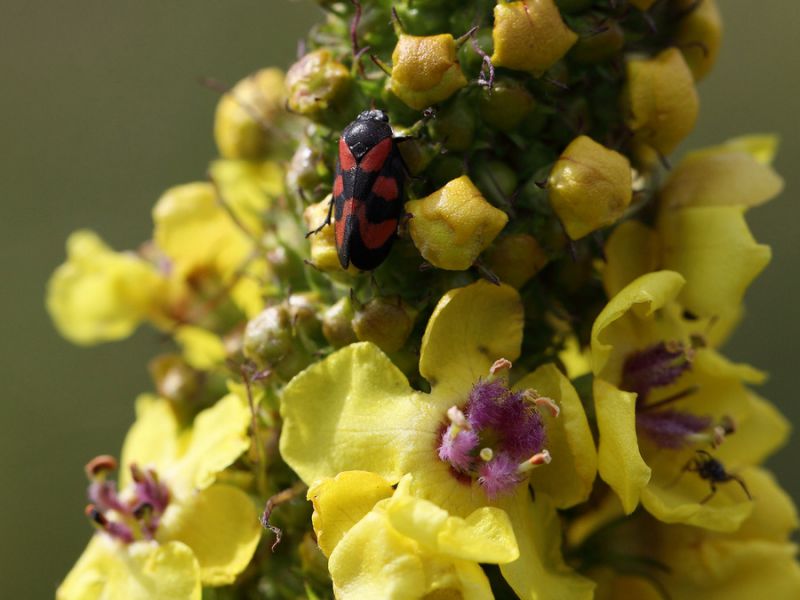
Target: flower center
498,437
659,366
133,514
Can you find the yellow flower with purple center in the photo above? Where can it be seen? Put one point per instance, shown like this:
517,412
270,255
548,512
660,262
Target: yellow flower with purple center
473,441
668,406
170,527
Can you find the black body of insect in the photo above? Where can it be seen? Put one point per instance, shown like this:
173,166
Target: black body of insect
367,199
709,468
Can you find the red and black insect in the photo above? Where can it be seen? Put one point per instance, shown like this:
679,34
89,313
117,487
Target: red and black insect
367,192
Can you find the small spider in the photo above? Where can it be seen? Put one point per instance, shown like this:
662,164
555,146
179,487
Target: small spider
709,468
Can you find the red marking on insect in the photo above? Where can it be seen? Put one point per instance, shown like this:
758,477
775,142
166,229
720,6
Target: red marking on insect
376,157
348,208
375,235
385,187
347,161
338,186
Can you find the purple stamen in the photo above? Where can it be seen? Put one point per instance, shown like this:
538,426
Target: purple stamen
499,475
659,365
671,428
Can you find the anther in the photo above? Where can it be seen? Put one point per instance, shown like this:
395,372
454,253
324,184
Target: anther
537,460
501,364
458,419
486,454
100,466
542,402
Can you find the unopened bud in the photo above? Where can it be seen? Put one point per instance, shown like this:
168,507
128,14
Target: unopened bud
317,82
268,336
516,258
386,322
452,226
699,35
505,104
337,326
529,36
589,187
425,70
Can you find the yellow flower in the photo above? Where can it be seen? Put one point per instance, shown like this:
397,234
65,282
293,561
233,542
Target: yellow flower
701,230
248,117
453,225
589,187
757,559
100,295
529,36
390,544
356,411
425,70
172,527
204,244
661,102
660,395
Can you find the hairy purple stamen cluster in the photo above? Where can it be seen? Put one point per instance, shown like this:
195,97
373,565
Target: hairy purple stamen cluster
136,516
657,366
505,426
671,428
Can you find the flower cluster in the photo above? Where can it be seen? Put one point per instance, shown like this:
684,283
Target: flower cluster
525,397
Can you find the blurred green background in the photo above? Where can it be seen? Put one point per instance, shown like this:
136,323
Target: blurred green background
101,111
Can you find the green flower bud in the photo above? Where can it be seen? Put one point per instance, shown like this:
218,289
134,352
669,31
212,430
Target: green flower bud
177,382
386,322
600,46
506,104
306,170
268,336
317,82
425,70
455,126
249,115
337,326
496,180
589,187
515,258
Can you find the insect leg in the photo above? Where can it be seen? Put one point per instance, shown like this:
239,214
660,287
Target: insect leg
327,220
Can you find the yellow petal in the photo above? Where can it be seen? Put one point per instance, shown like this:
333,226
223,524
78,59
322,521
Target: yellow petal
540,572
620,464
725,175
673,496
631,250
220,524
620,327
248,188
470,328
139,571
341,502
194,230
712,247
99,295
355,411
152,441
569,477
760,430
698,35
217,438
202,349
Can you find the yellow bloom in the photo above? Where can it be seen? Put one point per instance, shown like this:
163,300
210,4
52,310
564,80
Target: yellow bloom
391,544
100,295
248,116
529,36
661,102
589,187
660,395
757,559
204,244
356,410
194,531
425,70
699,35
452,226
701,230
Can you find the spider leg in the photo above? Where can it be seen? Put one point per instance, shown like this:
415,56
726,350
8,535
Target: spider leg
711,495
740,481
